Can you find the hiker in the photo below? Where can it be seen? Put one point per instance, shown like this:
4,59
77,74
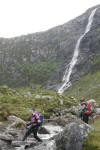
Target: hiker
34,125
83,108
91,104
87,109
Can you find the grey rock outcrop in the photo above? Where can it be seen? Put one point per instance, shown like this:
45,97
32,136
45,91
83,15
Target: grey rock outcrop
70,137
15,121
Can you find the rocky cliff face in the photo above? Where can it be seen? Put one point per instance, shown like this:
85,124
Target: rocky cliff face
19,56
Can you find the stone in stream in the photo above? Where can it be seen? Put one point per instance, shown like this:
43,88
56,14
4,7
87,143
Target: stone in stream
6,137
43,130
18,143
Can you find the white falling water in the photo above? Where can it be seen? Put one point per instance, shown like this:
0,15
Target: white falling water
66,78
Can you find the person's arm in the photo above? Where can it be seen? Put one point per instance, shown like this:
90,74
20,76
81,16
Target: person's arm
28,123
37,116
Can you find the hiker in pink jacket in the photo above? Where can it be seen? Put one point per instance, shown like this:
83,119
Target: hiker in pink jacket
34,125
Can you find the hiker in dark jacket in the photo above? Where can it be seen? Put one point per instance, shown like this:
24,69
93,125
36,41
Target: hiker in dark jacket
83,108
87,109
33,126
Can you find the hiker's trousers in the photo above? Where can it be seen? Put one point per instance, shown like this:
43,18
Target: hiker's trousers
34,130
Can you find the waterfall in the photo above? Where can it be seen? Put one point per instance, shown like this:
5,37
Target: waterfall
66,78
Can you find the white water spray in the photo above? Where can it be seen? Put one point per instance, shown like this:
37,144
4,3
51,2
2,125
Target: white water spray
66,78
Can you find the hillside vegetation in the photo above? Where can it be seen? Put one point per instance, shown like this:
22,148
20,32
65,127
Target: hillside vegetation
36,73
93,142
88,87
19,102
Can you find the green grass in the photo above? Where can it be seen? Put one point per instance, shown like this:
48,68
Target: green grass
29,74
16,102
93,141
88,87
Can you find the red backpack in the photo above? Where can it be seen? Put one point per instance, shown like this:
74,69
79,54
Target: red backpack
89,109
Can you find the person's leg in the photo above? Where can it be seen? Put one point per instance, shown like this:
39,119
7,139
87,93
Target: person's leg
85,118
28,132
35,130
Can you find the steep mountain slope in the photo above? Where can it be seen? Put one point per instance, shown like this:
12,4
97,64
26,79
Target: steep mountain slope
41,58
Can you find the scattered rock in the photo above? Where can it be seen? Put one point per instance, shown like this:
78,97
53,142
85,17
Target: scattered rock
98,111
68,137
6,137
43,130
20,143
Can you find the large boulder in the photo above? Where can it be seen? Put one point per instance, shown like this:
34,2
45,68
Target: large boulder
15,122
72,136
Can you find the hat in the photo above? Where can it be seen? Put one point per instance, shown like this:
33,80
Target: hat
91,100
82,100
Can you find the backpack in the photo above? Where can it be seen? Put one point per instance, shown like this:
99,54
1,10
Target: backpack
41,119
89,109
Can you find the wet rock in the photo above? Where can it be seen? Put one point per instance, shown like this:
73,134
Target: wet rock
19,143
13,133
43,130
6,137
48,145
5,146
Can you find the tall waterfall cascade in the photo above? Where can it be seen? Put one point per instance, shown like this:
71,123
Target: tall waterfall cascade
66,78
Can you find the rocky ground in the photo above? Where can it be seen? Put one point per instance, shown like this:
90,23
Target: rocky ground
58,134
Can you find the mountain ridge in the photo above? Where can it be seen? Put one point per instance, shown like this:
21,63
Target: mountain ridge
55,45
